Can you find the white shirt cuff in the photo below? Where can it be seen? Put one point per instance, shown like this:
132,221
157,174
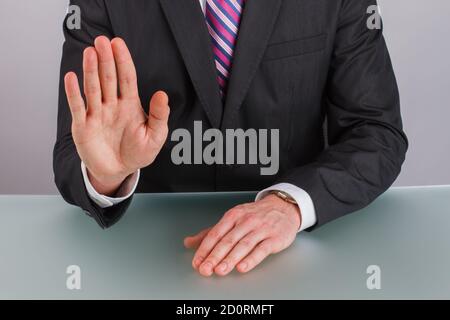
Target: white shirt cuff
300,196
125,191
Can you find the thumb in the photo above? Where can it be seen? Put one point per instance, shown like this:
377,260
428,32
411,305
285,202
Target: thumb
193,242
158,114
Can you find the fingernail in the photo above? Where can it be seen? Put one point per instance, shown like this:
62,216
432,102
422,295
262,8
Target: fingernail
206,268
198,262
222,267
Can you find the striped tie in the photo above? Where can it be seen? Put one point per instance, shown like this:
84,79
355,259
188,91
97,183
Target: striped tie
223,18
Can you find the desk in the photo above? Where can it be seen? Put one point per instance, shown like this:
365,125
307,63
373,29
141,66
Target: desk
406,232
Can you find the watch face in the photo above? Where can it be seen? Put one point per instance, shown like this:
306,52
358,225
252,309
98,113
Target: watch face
285,197
282,195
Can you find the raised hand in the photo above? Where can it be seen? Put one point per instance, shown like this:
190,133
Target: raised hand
113,135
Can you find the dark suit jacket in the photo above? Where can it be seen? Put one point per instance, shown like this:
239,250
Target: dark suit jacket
298,64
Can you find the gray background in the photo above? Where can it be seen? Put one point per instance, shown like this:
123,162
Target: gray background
31,40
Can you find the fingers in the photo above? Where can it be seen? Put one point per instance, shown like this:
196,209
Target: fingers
92,88
194,241
239,252
74,98
262,251
159,115
126,71
244,237
107,69
223,247
214,236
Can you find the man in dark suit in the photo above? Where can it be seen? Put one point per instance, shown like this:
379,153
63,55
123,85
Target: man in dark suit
286,65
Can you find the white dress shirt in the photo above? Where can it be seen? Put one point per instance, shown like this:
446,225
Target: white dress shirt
128,187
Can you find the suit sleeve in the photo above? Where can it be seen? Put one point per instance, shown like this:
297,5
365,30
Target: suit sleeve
366,142
66,162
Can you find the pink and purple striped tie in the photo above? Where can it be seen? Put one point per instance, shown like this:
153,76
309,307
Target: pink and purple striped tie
223,18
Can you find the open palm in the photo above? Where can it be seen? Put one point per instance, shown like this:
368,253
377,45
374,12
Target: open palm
113,135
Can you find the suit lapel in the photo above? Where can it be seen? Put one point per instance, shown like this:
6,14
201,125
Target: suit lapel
188,26
257,23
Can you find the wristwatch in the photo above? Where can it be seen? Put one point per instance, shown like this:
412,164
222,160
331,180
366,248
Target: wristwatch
283,195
